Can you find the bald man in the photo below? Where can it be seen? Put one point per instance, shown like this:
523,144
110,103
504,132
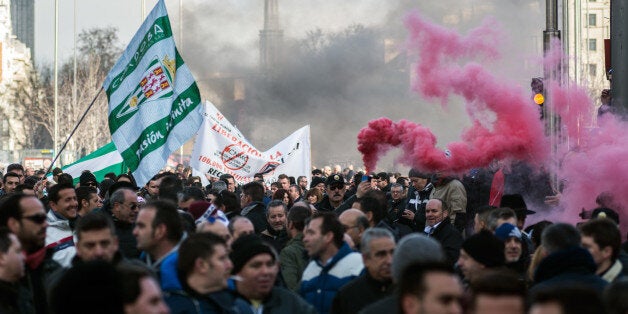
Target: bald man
354,222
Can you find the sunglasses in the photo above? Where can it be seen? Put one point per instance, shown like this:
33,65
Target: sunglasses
37,218
336,187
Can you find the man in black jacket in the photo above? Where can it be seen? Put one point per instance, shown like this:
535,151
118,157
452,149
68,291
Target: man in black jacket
565,263
252,202
417,197
438,226
378,245
334,193
123,208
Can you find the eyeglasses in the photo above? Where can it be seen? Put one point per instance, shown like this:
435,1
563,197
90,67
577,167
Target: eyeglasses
336,187
347,228
37,218
133,206
396,192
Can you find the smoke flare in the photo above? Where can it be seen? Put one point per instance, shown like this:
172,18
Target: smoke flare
515,133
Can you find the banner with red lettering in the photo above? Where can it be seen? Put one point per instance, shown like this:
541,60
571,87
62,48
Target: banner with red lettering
220,148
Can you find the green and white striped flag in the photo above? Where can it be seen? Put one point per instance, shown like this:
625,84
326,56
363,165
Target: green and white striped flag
100,162
154,103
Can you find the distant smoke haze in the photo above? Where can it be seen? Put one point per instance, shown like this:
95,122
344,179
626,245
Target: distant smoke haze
346,84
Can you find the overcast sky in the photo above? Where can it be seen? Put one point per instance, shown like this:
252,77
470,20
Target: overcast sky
236,21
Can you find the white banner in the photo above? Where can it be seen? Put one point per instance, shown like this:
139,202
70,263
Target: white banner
220,148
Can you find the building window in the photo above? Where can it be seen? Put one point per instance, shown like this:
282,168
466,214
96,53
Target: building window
592,69
592,19
592,44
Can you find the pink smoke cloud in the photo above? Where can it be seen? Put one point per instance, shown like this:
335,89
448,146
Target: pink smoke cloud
516,132
594,164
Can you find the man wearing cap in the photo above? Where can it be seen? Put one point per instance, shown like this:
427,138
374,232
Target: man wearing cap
418,195
515,250
480,252
335,192
317,173
318,183
255,266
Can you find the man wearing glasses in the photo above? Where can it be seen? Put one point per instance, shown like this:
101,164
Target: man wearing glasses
124,209
354,222
25,216
334,193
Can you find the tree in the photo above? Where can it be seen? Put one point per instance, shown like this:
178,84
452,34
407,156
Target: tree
98,52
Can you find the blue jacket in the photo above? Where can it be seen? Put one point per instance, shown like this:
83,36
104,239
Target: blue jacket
320,283
183,300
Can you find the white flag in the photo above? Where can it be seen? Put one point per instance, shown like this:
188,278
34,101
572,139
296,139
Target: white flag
153,98
220,148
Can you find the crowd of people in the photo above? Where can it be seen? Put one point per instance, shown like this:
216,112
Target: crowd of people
336,242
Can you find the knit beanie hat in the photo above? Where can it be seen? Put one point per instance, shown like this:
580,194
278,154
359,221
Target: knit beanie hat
245,248
485,248
507,230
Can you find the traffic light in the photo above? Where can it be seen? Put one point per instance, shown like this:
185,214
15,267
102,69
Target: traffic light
537,89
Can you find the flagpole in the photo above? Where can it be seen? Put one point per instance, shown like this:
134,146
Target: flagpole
56,83
74,130
181,45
